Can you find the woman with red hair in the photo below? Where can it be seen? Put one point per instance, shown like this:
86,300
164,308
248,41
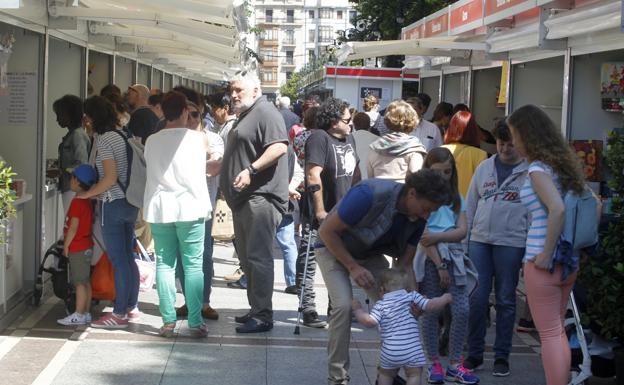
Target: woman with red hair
463,139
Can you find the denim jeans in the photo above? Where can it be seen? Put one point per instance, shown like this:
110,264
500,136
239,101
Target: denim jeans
185,239
207,264
286,240
501,264
118,219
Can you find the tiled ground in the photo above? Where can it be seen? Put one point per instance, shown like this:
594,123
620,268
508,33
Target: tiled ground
35,350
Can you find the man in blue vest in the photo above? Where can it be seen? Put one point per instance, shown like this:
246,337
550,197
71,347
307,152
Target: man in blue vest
375,218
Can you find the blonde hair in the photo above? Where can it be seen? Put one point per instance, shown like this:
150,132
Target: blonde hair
543,142
370,102
392,280
401,117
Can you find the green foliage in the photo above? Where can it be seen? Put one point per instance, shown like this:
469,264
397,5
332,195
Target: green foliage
292,86
383,20
7,196
604,276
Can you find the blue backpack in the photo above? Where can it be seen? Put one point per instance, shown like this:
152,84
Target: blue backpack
580,227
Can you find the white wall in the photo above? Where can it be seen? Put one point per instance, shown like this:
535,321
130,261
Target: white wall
431,87
589,120
100,65
143,76
485,91
64,77
124,69
540,83
18,144
455,89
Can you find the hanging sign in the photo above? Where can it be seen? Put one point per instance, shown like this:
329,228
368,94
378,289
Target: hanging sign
437,24
414,31
18,105
466,15
501,9
502,94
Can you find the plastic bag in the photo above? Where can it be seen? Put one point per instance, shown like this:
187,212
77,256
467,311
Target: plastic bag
103,279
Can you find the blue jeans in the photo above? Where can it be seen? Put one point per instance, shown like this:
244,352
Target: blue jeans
118,219
502,264
207,264
286,240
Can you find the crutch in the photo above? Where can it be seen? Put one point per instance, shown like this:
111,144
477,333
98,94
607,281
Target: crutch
303,280
585,367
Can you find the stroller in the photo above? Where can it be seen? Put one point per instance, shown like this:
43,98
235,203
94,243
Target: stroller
59,272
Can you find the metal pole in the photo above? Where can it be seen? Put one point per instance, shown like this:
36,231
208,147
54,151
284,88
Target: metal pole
566,106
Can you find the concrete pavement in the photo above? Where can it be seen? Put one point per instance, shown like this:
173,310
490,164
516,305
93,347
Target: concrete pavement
35,350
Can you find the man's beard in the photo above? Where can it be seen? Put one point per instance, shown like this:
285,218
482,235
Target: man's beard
244,104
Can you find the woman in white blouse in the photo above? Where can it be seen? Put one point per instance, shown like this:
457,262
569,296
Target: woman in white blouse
176,205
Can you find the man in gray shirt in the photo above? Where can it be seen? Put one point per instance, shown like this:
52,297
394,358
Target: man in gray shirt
254,182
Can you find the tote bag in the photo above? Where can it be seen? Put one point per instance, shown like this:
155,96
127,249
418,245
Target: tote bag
222,222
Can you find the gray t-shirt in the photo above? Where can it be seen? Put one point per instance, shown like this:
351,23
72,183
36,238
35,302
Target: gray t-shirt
256,129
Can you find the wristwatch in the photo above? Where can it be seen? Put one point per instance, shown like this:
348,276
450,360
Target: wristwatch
252,170
442,266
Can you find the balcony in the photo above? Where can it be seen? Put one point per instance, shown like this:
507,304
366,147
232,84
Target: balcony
289,42
288,62
266,21
269,62
269,42
269,83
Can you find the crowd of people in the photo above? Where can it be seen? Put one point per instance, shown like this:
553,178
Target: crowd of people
416,213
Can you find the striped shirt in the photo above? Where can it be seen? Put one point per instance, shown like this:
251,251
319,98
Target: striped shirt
111,145
538,215
399,330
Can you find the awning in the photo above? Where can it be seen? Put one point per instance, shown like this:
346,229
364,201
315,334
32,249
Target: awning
449,47
200,39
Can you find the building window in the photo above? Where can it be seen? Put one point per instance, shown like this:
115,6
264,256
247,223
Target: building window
289,37
311,14
311,36
268,55
289,75
269,34
325,13
290,15
289,58
339,15
311,55
326,34
268,15
268,76
352,15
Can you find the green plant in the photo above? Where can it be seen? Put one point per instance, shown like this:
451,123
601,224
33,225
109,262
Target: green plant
7,197
292,87
604,276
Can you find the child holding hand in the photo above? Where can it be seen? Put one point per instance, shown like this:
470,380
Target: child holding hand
401,346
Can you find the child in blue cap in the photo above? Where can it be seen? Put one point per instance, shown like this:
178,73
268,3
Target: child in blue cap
78,244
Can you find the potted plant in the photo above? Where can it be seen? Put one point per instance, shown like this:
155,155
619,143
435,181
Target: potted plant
604,274
7,197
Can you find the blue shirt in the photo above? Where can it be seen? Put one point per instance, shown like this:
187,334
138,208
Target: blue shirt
444,218
356,204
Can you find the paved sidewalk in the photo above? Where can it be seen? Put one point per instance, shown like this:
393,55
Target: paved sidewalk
35,350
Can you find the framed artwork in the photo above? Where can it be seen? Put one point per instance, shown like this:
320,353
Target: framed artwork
590,153
612,86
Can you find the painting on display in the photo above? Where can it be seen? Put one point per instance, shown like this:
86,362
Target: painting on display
612,86
590,153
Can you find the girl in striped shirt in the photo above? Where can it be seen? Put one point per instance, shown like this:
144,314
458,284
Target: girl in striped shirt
553,169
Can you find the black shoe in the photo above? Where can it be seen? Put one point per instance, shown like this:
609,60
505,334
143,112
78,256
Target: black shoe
254,326
312,320
292,290
473,363
242,319
501,368
525,326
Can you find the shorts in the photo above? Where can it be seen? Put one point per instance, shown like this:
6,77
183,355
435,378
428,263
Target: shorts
80,266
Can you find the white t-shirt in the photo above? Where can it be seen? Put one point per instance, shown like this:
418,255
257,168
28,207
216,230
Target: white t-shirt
176,189
215,151
429,134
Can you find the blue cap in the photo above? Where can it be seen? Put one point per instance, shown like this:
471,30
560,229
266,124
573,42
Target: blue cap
85,174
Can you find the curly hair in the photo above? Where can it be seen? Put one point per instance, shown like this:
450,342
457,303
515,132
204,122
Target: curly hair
330,112
71,106
401,117
102,113
443,155
429,185
370,102
543,142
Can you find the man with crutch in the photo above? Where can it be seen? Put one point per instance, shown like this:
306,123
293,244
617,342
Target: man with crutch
330,170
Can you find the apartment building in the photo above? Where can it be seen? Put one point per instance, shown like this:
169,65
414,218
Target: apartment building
294,33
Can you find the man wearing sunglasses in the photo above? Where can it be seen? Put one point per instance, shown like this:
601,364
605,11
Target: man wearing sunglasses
254,182
143,120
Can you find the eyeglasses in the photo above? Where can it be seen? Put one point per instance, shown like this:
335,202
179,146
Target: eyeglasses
194,114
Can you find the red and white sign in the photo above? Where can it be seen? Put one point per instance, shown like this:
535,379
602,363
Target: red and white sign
466,15
501,9
437,24
414,31
377,73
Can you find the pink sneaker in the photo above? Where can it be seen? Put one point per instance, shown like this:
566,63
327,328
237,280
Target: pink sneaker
133,315
110,321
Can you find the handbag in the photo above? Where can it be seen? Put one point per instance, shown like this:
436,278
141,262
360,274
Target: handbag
146,266
222,222
103,279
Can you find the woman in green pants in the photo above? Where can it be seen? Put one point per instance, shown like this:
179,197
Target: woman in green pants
176,205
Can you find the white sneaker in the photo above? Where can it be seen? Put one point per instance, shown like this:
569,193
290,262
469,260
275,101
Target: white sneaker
88,318
73,319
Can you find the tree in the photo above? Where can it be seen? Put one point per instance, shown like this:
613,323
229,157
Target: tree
291,87
383,20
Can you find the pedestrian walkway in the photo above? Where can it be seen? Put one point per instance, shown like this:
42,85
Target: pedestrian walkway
35,350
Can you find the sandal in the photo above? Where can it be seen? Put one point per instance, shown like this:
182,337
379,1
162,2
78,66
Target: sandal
167,330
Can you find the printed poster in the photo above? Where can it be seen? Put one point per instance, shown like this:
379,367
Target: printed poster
612,86
590,153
